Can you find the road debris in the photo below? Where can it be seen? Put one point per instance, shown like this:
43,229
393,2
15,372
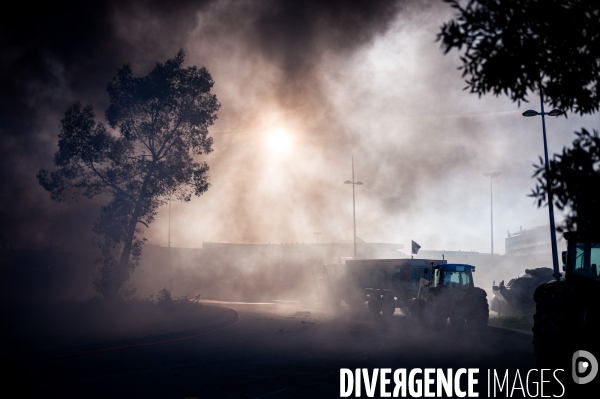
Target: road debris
303,314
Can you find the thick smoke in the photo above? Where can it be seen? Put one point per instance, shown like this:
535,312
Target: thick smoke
52,55
342,78
56,54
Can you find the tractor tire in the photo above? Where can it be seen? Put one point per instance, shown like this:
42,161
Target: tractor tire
480,313
417,311
433,316
556,330
374,304
550,335
388,305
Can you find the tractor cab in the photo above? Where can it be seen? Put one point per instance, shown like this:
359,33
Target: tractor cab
583,257
447,276
449,292
455,276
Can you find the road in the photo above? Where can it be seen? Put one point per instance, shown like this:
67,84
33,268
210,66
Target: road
277,350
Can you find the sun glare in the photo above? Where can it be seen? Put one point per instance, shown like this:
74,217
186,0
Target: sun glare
280,140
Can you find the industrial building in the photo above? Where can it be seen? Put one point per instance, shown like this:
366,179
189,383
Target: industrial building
534,241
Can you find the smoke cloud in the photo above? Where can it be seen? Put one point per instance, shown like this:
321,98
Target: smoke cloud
304,86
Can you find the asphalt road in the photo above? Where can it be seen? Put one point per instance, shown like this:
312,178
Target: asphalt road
275,351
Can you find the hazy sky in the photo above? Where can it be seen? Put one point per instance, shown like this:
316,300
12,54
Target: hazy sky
304,86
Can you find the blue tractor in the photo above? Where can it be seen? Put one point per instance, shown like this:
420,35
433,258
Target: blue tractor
448,292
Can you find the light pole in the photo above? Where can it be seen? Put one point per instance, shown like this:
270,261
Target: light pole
354,183
317,233
491,175
554,112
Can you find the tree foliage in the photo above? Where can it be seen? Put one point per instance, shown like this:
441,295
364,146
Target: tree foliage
549,46
160,123
516,47
574,178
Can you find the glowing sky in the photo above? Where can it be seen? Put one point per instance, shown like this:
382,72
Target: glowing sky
304,86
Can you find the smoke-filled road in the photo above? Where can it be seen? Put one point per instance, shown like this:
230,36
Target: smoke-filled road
277,350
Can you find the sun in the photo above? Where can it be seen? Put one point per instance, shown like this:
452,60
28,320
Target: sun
280,140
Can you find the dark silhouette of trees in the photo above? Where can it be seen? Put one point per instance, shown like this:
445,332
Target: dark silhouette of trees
574,176
548,46
515,47
160,123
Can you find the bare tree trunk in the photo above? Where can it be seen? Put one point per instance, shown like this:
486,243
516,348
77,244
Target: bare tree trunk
121,271
120,274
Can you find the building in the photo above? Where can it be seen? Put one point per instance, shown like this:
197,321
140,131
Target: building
534,241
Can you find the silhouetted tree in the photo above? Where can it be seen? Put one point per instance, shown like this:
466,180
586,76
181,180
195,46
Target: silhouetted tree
514,47
574,178
161,121
553,46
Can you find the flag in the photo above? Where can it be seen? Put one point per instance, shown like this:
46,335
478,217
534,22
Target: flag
415,247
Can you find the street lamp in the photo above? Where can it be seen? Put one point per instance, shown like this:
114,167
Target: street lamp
554,112
354,183
491,175
317,233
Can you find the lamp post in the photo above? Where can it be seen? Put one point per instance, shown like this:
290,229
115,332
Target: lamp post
317,233
554,112
354,183
169,238
491,175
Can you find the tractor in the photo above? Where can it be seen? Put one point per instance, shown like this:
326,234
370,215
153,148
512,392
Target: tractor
381,285
516,297
567,316
450,293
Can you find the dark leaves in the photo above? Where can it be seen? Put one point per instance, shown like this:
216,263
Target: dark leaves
574,179
170,106
162,120
513,48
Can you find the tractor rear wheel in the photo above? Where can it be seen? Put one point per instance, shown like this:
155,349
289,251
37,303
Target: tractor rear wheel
549,334
433,314
417,311
388,305
480,313
374,303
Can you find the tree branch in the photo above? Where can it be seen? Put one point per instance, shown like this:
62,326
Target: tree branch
168,139
119,189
